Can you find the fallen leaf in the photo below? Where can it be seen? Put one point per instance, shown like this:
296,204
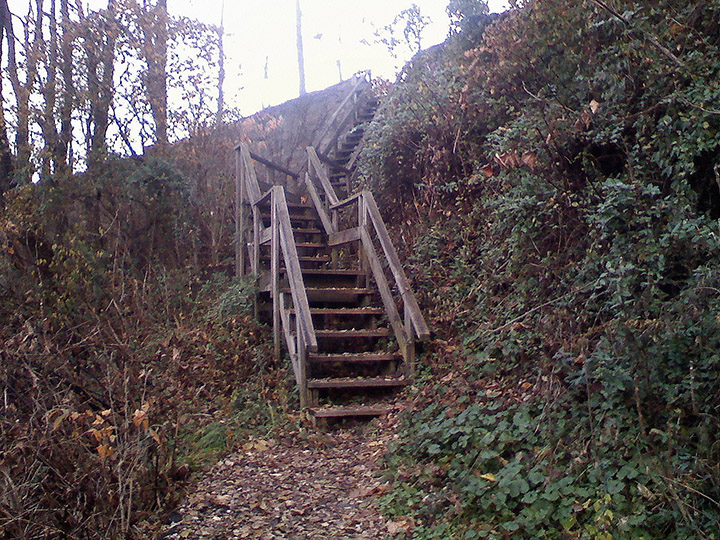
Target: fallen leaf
105,451
530,159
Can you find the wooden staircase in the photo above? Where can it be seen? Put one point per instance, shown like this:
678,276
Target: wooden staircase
330,277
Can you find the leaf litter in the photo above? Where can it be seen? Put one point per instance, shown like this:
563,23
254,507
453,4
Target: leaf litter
304,485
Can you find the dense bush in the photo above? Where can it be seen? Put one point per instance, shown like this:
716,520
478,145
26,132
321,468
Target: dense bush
565,166
125,365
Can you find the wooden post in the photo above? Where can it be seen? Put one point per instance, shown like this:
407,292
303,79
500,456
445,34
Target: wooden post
362,225
257,225
239,215
302,363
409,355
275,271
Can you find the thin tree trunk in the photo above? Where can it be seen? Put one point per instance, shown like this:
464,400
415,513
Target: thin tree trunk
300,53
22,101
155,49
101,86
221,68
66,49
49,129
6,164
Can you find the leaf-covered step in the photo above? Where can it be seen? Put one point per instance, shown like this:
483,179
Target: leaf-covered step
351,334
354,358
348,382
340,294
346,412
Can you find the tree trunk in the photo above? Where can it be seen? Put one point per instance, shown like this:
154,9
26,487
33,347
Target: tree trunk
6,164
49,129
22,101
64,148
301,55
101,69
221,68
155,49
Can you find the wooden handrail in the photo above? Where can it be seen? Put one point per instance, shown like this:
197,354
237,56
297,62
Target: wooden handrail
370,220
283,247
314,161
274,166
411,307
250,177
292,267
332,118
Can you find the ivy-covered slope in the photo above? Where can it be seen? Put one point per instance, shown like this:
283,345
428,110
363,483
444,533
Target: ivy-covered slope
558,173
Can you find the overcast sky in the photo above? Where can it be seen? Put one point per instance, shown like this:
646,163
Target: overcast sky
333,30
260,40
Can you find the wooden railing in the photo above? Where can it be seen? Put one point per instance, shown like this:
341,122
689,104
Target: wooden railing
299,334
366,226
343,115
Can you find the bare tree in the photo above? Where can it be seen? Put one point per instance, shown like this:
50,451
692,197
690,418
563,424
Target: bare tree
221,66
101,31
64,148
155,52
6,164
22,89
300,53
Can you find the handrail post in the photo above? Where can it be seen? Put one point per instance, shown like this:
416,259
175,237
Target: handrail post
275,270
302,363
410,345
239,215
362,225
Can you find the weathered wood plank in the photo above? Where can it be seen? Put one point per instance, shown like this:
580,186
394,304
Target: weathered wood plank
239,216
421,328
342,412
263,197
266,236
384,288
274,166
373,382
351,199
324,218
289,338
332,118
251,181
343,237
294,272
275,273
322,175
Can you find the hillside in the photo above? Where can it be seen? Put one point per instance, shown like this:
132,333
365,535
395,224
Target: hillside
557,174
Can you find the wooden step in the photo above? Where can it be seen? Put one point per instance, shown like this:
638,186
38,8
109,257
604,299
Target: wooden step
316,245
301,230
291,205
370,382
333,272
319,259
339,294
347,311
345,412
266,216
354,358
350,334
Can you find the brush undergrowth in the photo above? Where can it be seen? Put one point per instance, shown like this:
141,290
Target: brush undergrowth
556,170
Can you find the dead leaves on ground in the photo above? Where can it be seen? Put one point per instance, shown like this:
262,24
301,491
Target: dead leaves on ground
315,486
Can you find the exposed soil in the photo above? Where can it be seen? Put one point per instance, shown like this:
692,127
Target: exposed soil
309,485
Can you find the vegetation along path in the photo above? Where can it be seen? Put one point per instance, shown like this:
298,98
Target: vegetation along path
318,486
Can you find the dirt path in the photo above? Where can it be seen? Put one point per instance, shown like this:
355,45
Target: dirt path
317,487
